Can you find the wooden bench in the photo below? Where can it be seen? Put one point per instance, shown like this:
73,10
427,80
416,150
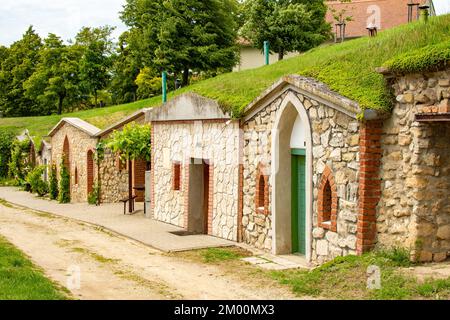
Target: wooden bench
125,201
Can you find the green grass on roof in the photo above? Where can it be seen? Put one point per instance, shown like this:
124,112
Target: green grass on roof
347,68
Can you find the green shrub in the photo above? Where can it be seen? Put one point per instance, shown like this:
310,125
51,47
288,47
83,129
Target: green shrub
36,182
6,140
64,184
53,183
94,196
19,166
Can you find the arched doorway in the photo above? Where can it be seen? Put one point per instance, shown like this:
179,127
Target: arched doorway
292,179
90,171
66,158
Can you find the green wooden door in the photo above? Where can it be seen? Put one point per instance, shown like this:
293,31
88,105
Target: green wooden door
298,201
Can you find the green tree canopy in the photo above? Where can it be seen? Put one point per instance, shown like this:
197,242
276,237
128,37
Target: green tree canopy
183,35
55,79
133,142
288,25
96,61
18,64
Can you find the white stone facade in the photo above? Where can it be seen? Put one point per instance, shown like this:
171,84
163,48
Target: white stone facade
180,142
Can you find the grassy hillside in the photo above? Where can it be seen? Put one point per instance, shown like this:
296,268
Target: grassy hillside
347,68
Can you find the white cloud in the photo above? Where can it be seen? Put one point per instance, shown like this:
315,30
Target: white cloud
63,17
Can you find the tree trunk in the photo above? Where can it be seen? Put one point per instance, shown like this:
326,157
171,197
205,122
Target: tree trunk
60,103
185,76
281,55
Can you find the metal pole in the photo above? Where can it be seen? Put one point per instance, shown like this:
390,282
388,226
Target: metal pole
164,87
266,52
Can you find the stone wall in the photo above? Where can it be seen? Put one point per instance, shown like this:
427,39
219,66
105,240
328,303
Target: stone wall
79,144
179,142
114,178
335,141
114,175
414,211
45,158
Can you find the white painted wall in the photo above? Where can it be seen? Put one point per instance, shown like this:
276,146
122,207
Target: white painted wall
298,137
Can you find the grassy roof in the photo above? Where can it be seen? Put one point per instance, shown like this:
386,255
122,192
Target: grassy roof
347,68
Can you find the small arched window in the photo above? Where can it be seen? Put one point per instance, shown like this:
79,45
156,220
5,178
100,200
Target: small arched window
262,192
327,202
76,175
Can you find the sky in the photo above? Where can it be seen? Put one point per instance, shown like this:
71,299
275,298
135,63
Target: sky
66,17
62,17
442,6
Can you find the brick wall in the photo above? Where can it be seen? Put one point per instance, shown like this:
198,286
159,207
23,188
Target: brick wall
369,184
139,167
392,13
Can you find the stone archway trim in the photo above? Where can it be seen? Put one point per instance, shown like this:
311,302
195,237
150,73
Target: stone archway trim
292,99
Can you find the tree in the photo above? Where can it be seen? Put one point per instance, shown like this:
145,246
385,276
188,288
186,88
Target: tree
132,143
55,79
183,35
124,73
96,61
17,66
288,25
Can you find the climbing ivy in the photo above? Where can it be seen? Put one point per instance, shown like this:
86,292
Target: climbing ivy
64,184
6,140
53,183
132,143
19,166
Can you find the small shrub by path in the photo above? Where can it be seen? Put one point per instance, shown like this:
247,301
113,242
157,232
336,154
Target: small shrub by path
21,280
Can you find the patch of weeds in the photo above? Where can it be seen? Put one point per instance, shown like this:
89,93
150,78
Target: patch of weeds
436,289
7,204
97,257
398,257
346,278
161,288
214,255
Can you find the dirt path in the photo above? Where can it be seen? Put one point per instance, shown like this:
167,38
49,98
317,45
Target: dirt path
113,267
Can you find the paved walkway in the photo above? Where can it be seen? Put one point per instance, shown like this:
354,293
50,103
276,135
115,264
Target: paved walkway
110,216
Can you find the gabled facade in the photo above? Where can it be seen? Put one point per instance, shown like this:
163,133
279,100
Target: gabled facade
73,143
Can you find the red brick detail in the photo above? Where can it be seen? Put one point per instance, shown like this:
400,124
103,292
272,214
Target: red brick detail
176,176
90,171
210,198
262,191
152,161
327,202
369,184
139,167
186,195
240,228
